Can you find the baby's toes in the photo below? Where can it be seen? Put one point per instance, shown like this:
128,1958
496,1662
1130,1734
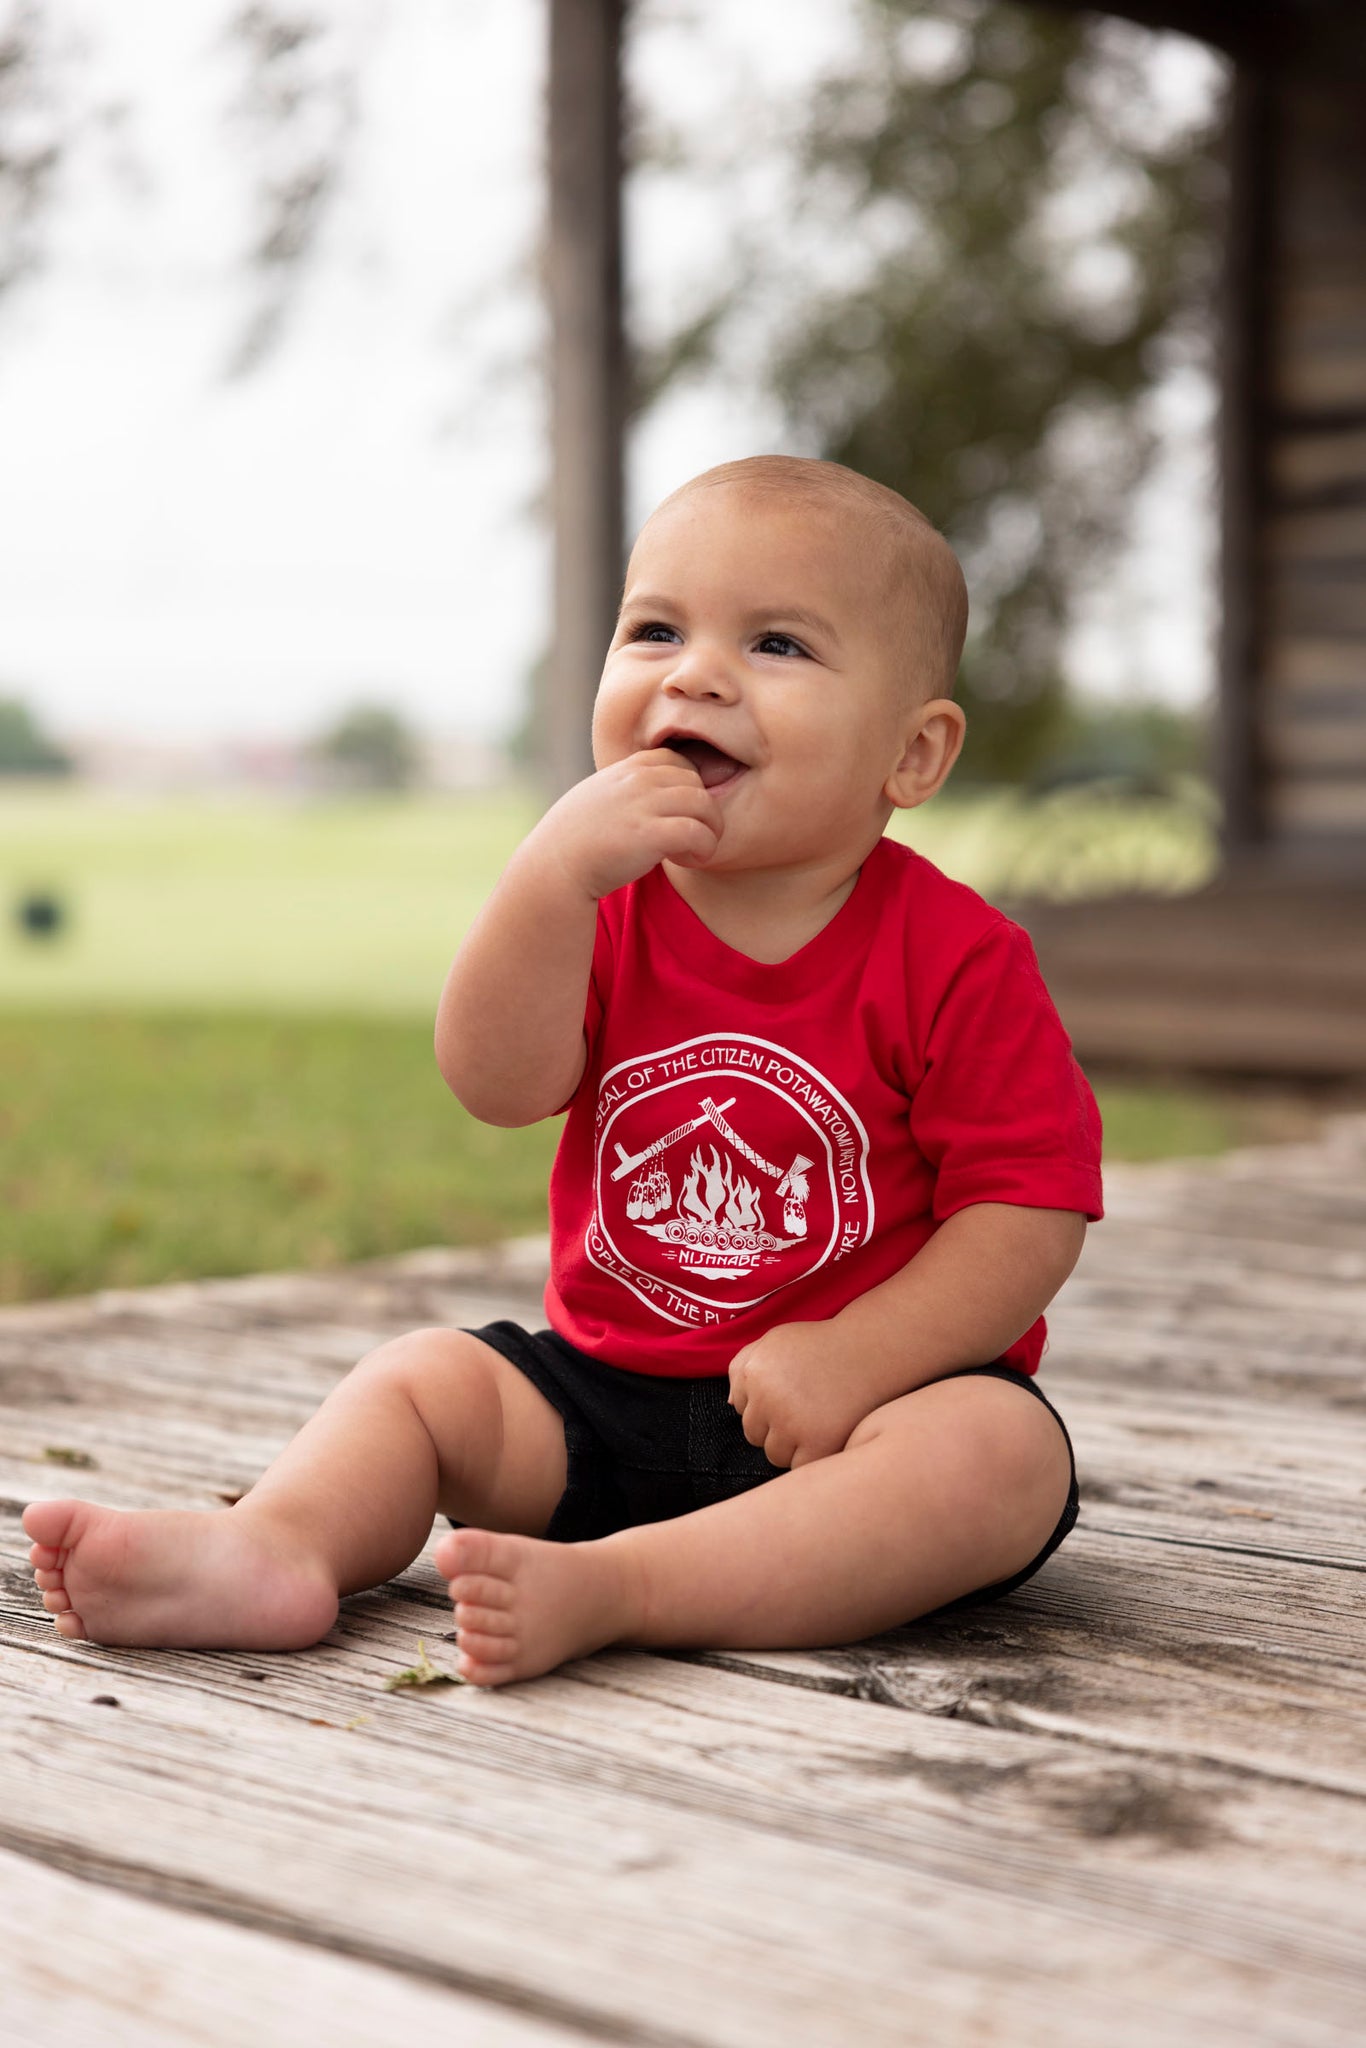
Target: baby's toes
465,1553
477,1589
47,1582
485,1660
44,1559
57,1602
69,1624
473,1620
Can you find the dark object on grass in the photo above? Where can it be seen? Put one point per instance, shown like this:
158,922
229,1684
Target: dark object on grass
39,914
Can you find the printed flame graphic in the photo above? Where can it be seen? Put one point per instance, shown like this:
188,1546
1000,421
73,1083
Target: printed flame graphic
713,1193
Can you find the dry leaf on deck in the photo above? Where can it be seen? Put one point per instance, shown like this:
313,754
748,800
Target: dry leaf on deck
424,1672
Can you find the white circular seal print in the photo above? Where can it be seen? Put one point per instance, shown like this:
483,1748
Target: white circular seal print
725,1168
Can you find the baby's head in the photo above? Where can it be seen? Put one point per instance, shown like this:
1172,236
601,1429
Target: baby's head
794,629
902,568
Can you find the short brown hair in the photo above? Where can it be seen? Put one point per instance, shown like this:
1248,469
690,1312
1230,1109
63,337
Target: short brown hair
924,580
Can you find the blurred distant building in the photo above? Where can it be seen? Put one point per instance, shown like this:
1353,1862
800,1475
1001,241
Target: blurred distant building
454,763
142,766
171,767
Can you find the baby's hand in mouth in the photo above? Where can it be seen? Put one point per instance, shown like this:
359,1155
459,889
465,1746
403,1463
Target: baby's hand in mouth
712,765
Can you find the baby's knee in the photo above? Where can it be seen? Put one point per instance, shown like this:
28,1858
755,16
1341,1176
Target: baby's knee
1012,1440
427,1360
449,1381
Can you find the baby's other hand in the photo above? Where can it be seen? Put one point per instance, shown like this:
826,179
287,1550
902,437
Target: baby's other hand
791,1395
623,821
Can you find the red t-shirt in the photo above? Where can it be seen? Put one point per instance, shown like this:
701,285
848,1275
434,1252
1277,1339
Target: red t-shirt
757,1144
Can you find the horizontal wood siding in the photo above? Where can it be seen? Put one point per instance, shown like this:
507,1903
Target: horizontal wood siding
1310,691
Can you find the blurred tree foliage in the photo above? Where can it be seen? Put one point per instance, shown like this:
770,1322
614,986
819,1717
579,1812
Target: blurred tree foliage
371,748
30,134
1019,241
25,748
295,111
1145,749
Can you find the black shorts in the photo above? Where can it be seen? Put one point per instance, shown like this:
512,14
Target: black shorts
643,1449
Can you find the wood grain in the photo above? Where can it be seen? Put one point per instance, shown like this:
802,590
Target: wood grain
1123,1805
130,1972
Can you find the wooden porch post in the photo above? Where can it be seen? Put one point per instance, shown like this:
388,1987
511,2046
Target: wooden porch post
1242,442
587,370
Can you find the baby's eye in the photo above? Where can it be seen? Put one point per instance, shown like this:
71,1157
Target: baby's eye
655,631
780,643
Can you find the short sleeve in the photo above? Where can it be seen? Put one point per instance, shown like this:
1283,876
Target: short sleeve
1001,1111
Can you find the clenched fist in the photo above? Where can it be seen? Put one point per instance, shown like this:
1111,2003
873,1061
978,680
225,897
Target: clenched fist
795,1402
623,821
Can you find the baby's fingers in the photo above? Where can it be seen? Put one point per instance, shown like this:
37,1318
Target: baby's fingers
755,1425
689,841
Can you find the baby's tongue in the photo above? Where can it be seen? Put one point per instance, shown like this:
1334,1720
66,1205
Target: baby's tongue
711,764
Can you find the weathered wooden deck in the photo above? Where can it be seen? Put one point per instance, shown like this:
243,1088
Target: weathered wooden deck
1125,1806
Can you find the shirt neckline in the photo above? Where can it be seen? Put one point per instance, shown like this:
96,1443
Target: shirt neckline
811,966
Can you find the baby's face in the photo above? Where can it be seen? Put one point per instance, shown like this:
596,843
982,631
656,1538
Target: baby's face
753,638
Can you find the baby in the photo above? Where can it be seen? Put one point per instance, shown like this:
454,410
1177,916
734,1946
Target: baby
828,1157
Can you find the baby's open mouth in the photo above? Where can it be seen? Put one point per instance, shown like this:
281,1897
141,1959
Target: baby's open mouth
712,765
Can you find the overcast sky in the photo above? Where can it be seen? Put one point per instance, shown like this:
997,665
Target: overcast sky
187,553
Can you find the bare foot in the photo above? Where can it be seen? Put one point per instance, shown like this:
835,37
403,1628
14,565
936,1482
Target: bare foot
172,1580
523,1606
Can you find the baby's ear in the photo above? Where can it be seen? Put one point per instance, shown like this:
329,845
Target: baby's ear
933,742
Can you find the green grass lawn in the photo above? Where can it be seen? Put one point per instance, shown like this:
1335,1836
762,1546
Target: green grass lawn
329,907
135,1149
356,907
224,1063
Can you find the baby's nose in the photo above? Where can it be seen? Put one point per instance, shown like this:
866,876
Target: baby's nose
701,671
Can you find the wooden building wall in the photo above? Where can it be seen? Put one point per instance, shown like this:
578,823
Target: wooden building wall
1310,540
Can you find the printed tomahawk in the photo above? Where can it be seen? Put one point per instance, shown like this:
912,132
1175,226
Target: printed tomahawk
629,1163
793,1185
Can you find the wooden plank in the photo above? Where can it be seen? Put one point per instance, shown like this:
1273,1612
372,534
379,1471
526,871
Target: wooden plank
1211,951
1320,607
1316,303
185,1393
1326,380
1337,535
1306,466
1304,663
1324,805
1317,262
503,1842
1200,1034
1332,746
1242,1663
87,1967
1180,1470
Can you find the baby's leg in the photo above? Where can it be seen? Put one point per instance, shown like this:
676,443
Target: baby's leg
433,1422
947,1489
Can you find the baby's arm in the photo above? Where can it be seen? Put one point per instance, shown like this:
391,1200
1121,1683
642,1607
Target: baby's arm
977,1285
509,1028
